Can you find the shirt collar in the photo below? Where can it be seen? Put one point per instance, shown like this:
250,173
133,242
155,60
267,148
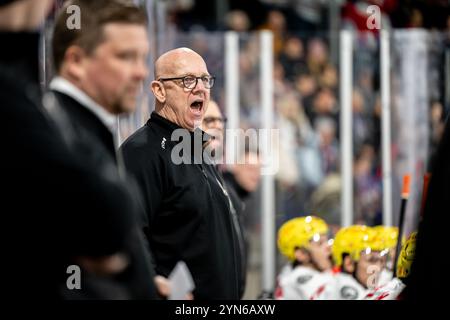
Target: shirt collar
62,85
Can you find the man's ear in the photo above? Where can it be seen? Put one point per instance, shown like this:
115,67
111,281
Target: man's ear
73,63
348,265
158,91
302,255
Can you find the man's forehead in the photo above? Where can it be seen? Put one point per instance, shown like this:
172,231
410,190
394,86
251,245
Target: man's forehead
123,34
180,61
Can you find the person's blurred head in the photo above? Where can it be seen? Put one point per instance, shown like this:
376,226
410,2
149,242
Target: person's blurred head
182,87
357,102
416,19
305,241
293,48
105,57
326,129
324,101
278,72
214,125
329,78
436,112
317,53
388,237
23,15
369,264
276,21
306,85
357,252
237,20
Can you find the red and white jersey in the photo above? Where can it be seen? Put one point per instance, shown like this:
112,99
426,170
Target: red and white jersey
348,288
388,291
305,283
385,277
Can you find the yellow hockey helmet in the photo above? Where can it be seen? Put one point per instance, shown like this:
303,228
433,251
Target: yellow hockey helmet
386,236
353,240
297,233
406,256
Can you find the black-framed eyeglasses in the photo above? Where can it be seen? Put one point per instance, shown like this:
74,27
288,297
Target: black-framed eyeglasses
209,120
190,82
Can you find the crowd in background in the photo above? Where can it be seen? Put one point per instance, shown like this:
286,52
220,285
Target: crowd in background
306,89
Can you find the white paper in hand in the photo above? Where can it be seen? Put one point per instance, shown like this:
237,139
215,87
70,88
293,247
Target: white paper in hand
181,282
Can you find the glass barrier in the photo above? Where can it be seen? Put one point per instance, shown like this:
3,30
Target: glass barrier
307,114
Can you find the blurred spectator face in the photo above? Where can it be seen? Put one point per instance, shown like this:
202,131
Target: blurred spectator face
276,21
181,105
320,252
365,80
214,125
278,71
317,51
289,107
362,167
416,19
368,152
324,102
294,48
436,112
327,131
329,77
357,102
237,20
306,85
245,64
248,174
24,15
113,74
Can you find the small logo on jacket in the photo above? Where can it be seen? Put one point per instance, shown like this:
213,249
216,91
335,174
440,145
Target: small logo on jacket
349,293
163,143
304,279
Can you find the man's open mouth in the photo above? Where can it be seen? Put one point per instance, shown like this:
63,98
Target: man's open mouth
197,106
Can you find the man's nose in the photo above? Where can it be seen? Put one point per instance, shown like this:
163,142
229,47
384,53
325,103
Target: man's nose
141,70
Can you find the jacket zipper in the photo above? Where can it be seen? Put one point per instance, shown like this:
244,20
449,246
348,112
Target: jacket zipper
235,226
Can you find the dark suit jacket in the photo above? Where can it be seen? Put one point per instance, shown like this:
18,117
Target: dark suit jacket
52,200
428,279
93,141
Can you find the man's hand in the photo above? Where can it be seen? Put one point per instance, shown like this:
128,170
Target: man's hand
104,266
163,286
164,289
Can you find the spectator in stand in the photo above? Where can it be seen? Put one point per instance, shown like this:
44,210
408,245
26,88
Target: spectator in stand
276,23
326,129
292,57
237,20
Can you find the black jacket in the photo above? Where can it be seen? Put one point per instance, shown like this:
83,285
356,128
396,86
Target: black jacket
94,142
238,195
428,280
48,193
189,215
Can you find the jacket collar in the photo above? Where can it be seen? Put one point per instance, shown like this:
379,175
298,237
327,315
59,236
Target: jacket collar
64,86
169,127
